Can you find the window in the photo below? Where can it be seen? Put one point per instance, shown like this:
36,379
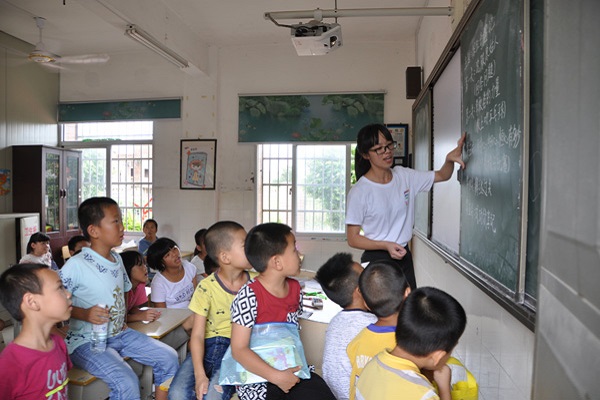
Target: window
117,162
304,186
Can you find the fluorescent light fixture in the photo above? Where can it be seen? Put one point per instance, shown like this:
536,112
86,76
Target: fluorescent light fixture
144,38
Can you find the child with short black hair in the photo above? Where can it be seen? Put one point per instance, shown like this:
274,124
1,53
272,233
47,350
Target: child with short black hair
339,279
150,228
271,297
97,276
384,287
429,326
35,364
38,251
76,243
199,253
210,266
198,376
134,264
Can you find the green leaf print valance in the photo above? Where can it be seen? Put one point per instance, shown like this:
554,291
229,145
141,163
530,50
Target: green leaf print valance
307,118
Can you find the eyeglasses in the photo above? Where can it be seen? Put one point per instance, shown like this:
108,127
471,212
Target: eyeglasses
173,253
381,150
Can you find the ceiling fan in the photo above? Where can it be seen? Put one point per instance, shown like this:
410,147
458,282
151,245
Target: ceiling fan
42,56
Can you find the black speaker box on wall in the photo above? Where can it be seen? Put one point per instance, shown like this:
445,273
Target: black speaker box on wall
413,82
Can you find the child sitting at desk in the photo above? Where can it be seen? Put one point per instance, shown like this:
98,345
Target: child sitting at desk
384,287
76,243
339,279
200,254
429,326
97,276
210,266
35,364
150,229
38,251
199,374
137,273
271,297
175,282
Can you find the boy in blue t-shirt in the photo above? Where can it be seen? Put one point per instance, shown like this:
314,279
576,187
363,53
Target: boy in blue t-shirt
97,276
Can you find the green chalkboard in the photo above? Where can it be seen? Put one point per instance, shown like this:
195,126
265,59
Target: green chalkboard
492,115
422,113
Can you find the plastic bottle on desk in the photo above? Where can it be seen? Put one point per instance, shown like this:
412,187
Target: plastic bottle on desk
99,335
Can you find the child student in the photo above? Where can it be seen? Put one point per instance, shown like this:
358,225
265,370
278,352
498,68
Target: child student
384,287
149,228
76,243
175,282
339,279
35,364
210,266
38,251
97,276
199,374
429,326
199,253
137,273
271,297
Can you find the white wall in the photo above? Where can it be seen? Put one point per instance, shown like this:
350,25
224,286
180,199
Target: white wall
495,347
567,361
277,69
28,97
210,110
432,36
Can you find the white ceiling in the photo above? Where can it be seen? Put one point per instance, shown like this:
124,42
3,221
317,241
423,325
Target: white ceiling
97,26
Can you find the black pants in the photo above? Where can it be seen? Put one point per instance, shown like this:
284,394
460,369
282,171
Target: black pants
314,388
405,265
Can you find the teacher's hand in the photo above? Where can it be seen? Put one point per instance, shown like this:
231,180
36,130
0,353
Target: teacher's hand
396,251
455,155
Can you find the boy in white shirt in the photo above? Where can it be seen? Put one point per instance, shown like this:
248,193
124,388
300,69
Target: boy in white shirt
339,279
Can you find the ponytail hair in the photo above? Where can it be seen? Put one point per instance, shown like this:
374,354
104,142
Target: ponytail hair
367,137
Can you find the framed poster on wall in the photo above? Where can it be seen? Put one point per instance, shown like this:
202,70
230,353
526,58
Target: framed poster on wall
198,162
400,135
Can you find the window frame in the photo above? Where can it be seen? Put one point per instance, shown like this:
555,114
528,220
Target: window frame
340,236
106,145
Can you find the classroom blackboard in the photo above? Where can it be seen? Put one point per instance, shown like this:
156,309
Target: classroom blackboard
492,115
422,156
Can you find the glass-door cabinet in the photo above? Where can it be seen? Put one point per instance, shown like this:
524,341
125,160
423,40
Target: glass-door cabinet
47,180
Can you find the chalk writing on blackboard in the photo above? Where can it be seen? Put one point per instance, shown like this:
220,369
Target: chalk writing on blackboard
492,116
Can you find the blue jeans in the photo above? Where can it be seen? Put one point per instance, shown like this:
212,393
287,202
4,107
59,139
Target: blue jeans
116,373
184,384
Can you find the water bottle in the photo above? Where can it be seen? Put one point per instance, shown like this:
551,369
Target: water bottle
99,335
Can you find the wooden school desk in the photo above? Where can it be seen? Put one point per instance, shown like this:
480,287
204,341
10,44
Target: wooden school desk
314,322
167,329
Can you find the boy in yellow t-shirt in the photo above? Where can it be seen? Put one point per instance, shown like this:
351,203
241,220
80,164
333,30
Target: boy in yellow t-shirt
429,326
211,332
384,287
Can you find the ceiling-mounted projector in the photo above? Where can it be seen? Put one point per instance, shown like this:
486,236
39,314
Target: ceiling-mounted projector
316,38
